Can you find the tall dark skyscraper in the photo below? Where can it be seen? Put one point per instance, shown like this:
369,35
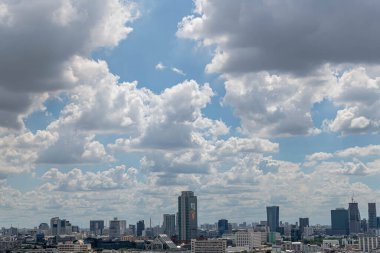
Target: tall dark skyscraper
187,217
140,227
354,217
372,221
339,221
169,224
222,226
304,222
97,227
273,218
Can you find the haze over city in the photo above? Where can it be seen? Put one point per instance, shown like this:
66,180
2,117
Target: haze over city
113,108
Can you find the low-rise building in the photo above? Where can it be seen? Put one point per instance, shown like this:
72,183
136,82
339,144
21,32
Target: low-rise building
208,246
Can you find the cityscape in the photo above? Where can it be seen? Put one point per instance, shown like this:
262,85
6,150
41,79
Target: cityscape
180,232
197,126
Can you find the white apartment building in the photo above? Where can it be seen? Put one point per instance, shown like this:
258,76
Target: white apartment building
367,243
250,239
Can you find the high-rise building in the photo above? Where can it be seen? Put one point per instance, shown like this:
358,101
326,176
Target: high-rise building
339,221
168,226
372,221
132,229
304,222
378,222
354,217
222,226
66,227
96,227
140,227
187,216
117,228
55,225
273,218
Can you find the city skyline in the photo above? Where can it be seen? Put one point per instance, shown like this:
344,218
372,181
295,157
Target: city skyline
112,108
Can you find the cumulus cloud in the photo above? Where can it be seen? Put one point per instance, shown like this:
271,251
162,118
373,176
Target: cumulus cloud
77,180
39,41
276,68
18,152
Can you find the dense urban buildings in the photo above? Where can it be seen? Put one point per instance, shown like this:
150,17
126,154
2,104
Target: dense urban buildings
222,236
273,218
187,217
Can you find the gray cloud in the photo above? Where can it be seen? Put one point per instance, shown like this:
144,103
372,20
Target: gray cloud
294,36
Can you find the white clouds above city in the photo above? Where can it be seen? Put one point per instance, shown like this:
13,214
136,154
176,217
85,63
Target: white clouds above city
246,103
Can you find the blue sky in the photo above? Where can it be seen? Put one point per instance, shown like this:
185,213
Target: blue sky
112,108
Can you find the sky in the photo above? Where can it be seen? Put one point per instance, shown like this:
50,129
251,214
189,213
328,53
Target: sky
112,108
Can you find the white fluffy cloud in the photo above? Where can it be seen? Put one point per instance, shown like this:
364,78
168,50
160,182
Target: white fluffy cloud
39,41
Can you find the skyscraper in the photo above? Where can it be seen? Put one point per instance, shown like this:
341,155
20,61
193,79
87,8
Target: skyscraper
273,218
354,217
187,216
222,226
339,221
96,227
140,227
372,221
304,222
117,228
55,225
168,225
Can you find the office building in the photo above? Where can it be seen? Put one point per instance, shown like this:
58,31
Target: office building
339,221
208,246
354,217
303,222
168,226
273,218
55,226
132,229
187,217
372,221
96,227
222,226
117,228
140,227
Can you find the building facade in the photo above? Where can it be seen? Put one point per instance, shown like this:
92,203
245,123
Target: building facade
117,228
354,217
222,226
168,226
187,217
273,218
96,227
339,221
208,246
372,221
